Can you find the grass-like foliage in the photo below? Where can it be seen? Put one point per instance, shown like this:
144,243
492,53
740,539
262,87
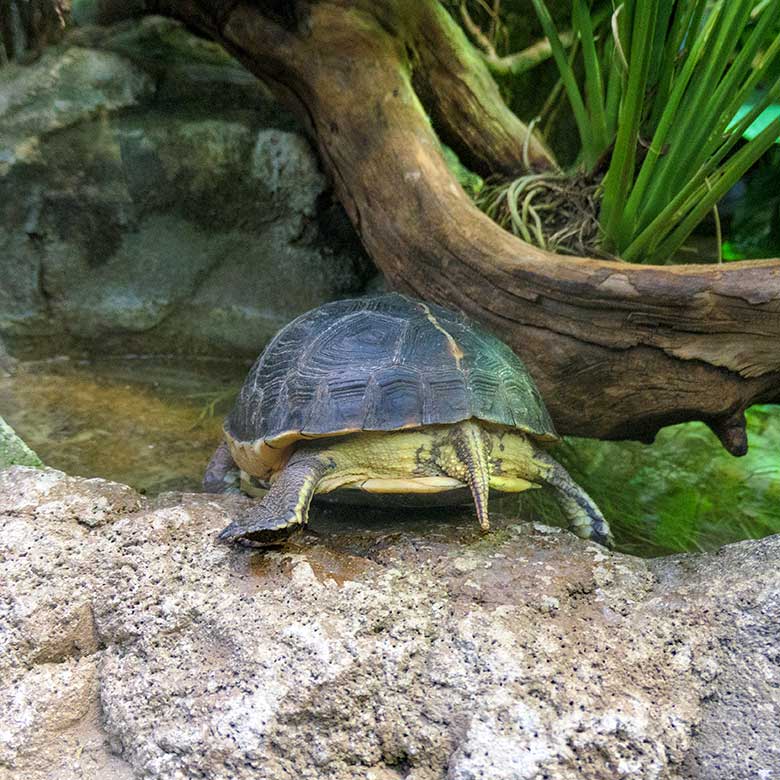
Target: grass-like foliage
684,493
660,92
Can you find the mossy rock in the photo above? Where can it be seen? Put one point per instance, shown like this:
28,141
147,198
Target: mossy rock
13,451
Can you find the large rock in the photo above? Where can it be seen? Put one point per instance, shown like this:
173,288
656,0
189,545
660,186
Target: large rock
153,196
379,647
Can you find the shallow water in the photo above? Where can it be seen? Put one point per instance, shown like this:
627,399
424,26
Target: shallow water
152,423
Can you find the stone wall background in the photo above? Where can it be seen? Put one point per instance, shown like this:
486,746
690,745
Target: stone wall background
154,197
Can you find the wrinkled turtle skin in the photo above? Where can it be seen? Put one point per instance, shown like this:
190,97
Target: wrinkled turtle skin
391,400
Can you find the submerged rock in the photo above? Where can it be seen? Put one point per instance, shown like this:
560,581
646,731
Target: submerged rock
7,363
376,646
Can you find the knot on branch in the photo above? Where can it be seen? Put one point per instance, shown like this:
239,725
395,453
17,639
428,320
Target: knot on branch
732,432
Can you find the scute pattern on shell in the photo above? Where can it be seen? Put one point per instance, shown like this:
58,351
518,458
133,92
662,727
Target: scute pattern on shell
381,364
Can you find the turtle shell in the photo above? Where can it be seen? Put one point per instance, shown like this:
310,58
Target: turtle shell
380,363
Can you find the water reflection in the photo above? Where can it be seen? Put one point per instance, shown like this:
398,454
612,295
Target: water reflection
152,423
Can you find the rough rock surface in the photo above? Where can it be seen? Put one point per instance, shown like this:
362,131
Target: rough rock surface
371,648
153,196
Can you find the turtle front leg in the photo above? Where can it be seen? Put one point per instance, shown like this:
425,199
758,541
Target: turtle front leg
585,518
285,508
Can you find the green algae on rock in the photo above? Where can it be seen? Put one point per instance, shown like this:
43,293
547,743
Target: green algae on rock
13,451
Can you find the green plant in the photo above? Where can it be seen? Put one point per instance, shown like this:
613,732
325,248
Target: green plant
754,212
683,493
665,95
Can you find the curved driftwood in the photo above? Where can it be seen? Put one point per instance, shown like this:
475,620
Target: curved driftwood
618,350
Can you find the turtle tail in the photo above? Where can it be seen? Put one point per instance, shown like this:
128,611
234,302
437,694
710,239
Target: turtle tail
471,452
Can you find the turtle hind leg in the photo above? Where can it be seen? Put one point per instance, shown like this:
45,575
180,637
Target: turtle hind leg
585,518
284,509
222,475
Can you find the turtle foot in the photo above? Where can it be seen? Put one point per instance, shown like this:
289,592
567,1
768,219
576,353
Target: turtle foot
585,518
261,532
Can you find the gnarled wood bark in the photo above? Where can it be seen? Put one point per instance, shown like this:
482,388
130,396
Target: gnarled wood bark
618,350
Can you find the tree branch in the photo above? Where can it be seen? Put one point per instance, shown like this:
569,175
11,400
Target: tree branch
455,86
618,350
510,64
28,26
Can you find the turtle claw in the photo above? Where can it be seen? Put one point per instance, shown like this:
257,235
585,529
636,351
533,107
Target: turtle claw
230,533
604,539
261,532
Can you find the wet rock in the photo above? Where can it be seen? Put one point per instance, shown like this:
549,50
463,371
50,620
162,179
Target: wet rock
738,734
387,647
140,211
13,451
51,651
49,564
89,502
65,87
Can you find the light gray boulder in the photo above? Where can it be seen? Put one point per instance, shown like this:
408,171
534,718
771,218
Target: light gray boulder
373,647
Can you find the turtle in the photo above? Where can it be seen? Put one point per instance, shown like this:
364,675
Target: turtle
395,400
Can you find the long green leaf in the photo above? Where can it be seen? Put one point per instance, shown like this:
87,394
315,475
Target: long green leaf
721,105
621,169
693,135
614,88
684,25
646,179
687,197
569,82
678,72
594,89
724,138
729,176
730,91
742,76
